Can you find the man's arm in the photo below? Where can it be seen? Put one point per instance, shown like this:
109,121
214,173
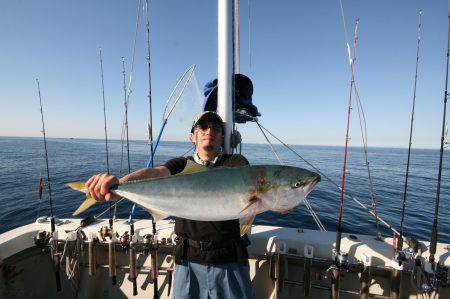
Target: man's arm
98,186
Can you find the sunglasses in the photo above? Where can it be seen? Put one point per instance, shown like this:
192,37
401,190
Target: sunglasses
213,126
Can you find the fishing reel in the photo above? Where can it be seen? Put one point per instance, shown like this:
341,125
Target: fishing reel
402,256
436,278
124,241
341,263
148,243
107,232
42,239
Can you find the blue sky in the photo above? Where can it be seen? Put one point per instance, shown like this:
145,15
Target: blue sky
299,66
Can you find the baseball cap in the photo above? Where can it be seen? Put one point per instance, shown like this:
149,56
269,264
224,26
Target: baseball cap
207,115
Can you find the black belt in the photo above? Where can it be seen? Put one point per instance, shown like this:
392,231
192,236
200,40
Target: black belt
206,246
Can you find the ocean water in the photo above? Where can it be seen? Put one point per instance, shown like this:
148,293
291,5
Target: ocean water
22,162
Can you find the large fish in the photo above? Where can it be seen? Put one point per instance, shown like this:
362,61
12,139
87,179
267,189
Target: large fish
216,194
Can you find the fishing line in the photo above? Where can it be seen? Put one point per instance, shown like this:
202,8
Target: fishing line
363,127
400,239
433,240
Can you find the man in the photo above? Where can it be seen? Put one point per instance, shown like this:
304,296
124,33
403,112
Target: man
211,257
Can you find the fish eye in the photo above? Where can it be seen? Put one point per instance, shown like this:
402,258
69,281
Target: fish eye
296,185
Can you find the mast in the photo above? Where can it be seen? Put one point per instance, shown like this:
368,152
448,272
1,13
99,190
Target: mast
236,37
433,241
225,69
400,239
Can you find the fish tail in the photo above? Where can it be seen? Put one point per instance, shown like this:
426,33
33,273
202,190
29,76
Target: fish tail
87,203
79,186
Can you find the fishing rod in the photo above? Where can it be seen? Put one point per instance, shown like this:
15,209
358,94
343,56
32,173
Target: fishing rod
150,121
104,111
154,243
439,271
341,260
126,114
399,244
54,246
111,245
105,128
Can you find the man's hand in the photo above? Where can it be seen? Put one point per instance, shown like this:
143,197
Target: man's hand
98,186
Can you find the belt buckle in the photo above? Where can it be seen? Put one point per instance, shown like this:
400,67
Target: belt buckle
203,245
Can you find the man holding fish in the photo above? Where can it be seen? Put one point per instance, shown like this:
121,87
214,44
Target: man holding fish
215,198
211,256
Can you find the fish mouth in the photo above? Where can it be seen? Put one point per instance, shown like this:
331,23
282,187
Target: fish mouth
312,184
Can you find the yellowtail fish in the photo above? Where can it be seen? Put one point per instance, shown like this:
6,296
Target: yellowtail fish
217,194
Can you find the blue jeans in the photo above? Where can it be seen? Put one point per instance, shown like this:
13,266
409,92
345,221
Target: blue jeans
192,280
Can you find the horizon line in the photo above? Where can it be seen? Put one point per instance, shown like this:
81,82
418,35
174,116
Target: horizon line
252,143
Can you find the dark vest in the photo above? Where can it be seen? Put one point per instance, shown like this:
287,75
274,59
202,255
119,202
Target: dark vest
211,242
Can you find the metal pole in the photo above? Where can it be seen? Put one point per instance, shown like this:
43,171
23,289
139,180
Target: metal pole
225,69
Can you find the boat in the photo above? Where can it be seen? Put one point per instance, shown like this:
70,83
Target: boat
92,257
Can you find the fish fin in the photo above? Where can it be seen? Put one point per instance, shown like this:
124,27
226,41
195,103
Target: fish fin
251,201
89,201
192,167
157,215
246,223
79,186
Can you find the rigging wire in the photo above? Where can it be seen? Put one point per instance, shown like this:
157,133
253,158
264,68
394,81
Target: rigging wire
307,204
433,240
349,194
314,215
400,239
